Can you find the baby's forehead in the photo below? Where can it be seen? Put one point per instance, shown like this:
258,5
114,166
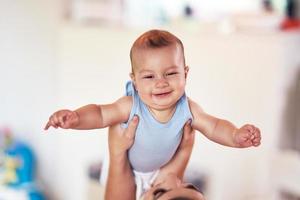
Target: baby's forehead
139,55
147,49
160,68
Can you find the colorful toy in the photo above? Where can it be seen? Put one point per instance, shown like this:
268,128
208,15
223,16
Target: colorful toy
17,166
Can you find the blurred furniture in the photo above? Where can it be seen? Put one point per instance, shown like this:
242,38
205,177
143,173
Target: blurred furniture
286,174
96,11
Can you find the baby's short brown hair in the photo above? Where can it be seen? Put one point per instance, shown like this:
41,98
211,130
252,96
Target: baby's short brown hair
155,39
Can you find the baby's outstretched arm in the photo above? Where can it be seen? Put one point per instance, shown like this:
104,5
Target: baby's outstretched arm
223,131
92,116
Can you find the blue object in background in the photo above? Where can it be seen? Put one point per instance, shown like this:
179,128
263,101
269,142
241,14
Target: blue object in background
24,156
25,169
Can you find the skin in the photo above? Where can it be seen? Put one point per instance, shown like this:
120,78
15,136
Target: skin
159,77
169,178
174,187
160,81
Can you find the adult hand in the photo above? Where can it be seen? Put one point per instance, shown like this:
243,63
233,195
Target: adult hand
181,158
188,138
120,140
120,182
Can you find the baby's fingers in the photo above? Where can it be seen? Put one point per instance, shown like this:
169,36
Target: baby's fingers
249,127
256,143
61,120
47,126
247,143
53,121
257,133
245,136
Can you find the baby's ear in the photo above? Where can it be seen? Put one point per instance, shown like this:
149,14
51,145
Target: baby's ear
132,77
186,71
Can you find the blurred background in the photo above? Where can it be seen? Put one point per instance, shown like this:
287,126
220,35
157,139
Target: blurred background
244,59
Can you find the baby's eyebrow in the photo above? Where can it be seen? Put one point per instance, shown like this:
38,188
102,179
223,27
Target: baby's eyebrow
145,71
172,67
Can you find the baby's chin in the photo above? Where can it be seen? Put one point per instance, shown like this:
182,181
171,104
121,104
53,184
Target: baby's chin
162,106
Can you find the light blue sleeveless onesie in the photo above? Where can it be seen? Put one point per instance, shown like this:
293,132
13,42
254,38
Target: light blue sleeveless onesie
155,143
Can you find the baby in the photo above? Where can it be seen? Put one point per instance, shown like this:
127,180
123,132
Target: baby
156,94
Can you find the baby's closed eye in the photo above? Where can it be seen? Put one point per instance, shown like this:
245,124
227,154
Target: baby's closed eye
171,73
148,77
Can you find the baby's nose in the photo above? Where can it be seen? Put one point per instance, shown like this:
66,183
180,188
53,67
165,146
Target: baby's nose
161,82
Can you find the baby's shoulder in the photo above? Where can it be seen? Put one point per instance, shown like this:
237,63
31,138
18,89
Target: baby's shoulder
194,106
125,103
126,100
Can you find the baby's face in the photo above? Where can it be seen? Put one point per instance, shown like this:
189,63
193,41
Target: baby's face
159,76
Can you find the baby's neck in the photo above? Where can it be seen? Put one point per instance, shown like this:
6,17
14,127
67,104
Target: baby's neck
163,116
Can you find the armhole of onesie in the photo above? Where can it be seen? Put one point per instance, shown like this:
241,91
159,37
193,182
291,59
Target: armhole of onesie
130,91
189,111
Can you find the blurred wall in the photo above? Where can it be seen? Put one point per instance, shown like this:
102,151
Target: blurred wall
28,86
46,66
241,77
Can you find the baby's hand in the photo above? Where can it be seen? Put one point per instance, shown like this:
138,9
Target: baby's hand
247,136
63,119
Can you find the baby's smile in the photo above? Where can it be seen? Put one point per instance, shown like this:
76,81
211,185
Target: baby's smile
162,94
